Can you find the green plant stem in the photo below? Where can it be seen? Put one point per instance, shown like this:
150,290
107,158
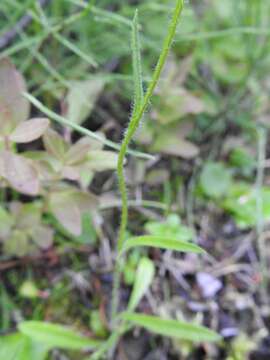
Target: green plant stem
135,204
63,121
132,127
245,30
110,343
137,116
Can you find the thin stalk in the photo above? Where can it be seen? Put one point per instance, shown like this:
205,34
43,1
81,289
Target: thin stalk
262,134
41,37
110,343
132,127
135,204
63,121
245,30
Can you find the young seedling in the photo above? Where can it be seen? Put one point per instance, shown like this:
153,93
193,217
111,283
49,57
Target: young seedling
56,336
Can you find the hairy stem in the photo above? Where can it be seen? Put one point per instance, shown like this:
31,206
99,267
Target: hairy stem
132,127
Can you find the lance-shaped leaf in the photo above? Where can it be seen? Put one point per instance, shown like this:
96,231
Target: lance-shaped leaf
14,108
29,130
162,243
171,227
172,328
20,347
144,277
20,173
54,335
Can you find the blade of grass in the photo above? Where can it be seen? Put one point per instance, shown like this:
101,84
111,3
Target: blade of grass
63,121
43,61
246,30
68,44
172,328
161,243
112,17
22,45
72,47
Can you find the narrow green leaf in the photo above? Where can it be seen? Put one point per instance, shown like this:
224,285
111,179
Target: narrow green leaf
55,335
65,122
11,346
110,16
137,66
162,243
172,328
144,277
20,347
88,58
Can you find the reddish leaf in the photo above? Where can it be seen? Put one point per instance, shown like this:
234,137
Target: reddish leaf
20,173
55,144
14,108
48,167
78,151
29,130
71,173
